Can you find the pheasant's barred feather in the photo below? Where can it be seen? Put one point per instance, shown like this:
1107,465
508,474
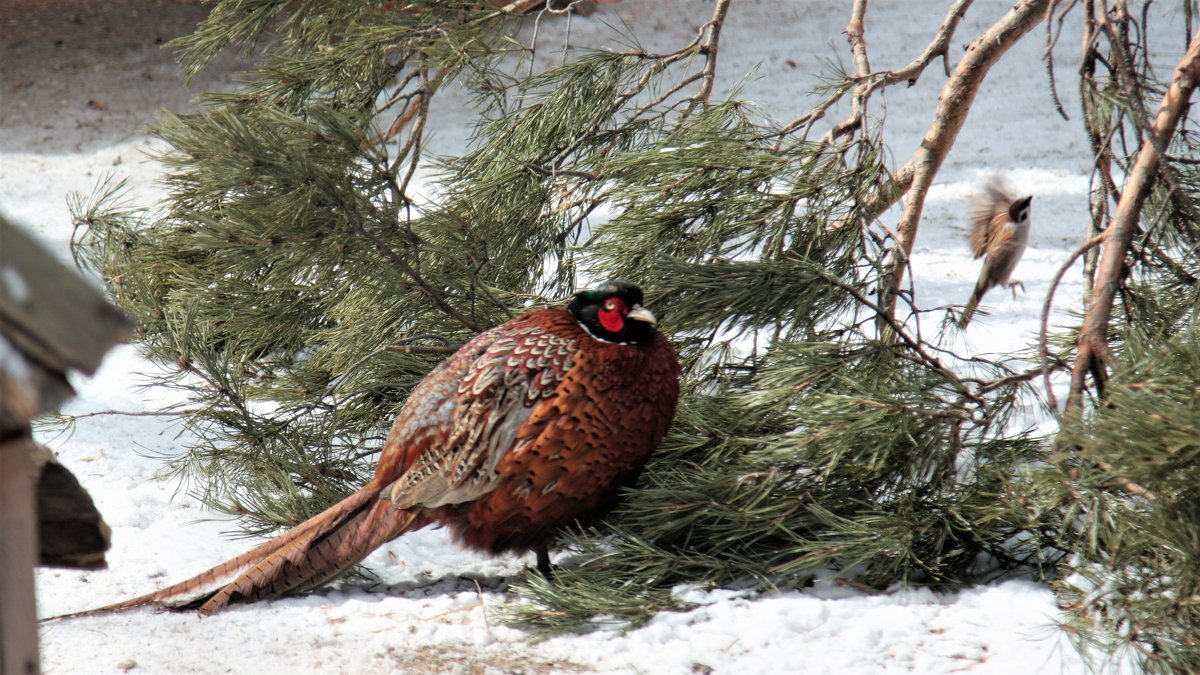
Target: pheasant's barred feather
530,427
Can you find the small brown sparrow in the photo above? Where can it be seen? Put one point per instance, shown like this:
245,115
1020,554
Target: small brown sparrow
999,231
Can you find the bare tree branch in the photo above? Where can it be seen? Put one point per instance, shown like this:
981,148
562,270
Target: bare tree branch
940,47
709,48
1048,52
953,105
519,7
858,42
869,83
1098,140
1043,346
1094,350
858,47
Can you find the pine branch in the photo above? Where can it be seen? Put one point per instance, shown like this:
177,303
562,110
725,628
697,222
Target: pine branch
1093,349
899,331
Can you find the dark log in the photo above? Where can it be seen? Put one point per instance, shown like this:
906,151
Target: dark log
71,532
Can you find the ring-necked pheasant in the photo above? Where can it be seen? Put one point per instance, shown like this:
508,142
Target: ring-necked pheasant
529,427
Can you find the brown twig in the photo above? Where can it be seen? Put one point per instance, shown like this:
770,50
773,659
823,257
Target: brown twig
518,7
939,47
1023,376
869,83
1048,52
430,291
429,87
1130,486
1093,349
855,35
1099,194
709,49
953,105
414,145
1043,347
127,413
449,348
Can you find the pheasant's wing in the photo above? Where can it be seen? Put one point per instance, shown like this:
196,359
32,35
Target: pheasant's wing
463,418
580,447
422,423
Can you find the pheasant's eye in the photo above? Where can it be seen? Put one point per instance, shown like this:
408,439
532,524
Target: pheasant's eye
612,315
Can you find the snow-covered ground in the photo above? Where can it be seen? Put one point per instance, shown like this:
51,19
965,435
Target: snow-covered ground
433,608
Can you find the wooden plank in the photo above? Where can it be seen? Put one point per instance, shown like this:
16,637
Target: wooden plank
43,302
18,610
27,390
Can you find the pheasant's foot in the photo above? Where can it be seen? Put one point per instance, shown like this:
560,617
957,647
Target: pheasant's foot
543,562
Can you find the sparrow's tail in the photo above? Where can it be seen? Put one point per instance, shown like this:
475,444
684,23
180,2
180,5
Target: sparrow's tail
305,557
972,304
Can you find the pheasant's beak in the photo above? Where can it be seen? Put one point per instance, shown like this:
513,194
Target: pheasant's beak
639,313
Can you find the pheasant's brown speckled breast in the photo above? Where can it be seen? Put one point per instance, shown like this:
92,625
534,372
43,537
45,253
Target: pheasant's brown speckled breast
587,437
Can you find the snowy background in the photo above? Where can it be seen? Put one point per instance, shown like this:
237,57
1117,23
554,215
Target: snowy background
79,79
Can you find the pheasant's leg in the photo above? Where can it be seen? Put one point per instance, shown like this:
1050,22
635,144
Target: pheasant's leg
543,560
1013,287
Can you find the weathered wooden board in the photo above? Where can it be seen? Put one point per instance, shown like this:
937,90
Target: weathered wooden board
49,312
18,610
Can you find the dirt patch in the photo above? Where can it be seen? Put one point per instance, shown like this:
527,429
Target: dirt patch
465,660
81,74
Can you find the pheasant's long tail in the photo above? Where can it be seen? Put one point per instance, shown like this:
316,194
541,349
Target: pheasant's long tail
302,566
305,557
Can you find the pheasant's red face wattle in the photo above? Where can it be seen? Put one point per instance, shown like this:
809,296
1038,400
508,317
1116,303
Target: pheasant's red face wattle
612,315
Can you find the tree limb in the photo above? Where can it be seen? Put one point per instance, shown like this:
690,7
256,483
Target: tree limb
869,83
1048,52
709,49
1093,349
1043,346
953,105
858,47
